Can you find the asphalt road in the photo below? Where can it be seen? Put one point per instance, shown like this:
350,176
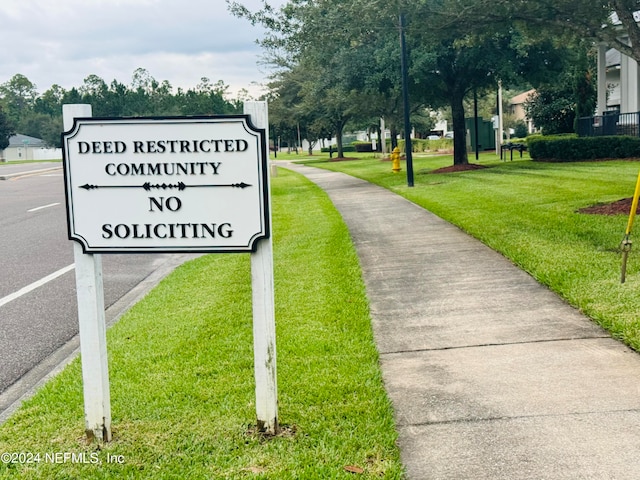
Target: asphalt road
38,308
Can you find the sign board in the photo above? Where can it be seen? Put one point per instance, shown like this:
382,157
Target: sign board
187,184
172,184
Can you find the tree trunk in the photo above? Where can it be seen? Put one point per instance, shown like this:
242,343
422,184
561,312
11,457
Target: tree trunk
459,129
394,137
339,129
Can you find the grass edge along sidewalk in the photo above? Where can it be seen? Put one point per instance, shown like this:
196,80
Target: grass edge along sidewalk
181,368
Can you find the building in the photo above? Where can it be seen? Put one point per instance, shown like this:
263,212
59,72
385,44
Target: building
618,78
23,147
613,79
518,111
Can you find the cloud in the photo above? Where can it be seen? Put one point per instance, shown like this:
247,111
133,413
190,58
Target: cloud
63,42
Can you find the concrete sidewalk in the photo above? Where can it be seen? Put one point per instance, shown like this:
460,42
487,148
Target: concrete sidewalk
491,375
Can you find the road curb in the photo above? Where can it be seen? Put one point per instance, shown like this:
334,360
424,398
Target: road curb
9,176
25,387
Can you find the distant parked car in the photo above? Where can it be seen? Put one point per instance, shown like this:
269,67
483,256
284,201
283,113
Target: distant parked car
433,137
448,135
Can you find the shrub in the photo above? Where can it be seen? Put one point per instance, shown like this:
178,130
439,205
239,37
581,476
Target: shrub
345,149
520,129
363,146
570,148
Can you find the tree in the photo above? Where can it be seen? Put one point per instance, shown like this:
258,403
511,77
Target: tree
45,120
423,122
613,22
520,129
557,105
50,102
552,109
115,102
31,114
319,39
447,59
27,112
451,70
43,126
143,81
451,59
205,99
6,130
18,96
94,91
94,87
71,96
289,114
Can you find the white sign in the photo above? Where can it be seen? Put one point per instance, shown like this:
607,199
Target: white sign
195,184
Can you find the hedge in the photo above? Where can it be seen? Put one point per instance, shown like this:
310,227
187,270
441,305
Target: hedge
573,149
363,146
345,148
425,145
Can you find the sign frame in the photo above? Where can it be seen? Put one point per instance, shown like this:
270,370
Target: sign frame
260,181
91,312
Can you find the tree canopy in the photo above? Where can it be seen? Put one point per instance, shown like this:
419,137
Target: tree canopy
40,115
613,23
351,53
6,130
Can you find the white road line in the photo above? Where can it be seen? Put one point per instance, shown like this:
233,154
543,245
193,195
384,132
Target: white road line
34,285
42,207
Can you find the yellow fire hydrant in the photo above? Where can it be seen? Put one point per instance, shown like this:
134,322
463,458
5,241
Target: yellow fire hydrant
395,160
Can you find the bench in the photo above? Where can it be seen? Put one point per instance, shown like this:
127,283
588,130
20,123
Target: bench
520,147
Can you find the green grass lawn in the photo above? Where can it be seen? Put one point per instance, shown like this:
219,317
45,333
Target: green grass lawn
18,162
181,368
528,211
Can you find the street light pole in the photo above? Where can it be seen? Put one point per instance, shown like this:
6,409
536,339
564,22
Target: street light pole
475,122
405,101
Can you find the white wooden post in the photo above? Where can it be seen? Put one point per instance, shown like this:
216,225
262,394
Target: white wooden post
264,325
91,318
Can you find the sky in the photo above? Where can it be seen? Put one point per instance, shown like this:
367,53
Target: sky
64,41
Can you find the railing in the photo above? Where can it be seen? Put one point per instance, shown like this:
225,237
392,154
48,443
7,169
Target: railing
611,123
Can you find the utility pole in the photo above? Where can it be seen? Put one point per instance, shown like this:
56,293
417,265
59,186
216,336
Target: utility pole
500,116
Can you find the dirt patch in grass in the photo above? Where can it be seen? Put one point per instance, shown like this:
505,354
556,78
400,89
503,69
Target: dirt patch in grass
459,168
620,207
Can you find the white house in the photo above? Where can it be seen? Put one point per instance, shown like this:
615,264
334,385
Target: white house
24,147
